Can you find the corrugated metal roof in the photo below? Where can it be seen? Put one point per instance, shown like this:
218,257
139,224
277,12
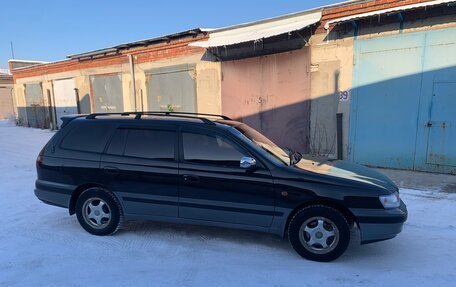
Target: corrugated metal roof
388,11
256,31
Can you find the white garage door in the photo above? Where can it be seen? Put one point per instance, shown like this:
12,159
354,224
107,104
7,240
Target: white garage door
65,99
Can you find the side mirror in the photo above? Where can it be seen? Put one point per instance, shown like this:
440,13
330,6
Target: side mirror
247,162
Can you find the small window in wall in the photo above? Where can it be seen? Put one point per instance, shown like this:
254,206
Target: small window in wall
151,144
210,149
107,93
172,89
87,138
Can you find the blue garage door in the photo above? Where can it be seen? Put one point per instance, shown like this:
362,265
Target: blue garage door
442,132
403,86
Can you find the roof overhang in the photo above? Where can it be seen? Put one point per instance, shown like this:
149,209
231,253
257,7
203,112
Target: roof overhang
387,11
257,31
26,61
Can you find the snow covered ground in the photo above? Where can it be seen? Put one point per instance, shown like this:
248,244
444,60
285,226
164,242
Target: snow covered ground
41,245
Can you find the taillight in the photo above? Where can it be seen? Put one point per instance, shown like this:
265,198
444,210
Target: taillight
39,158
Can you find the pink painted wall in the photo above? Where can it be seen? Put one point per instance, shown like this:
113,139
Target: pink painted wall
271,94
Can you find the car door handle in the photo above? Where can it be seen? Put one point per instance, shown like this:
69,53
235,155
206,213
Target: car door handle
111,170
190,178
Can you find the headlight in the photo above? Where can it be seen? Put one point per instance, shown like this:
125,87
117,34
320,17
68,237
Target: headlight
391,200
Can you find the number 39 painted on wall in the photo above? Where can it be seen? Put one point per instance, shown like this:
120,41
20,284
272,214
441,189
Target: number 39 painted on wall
344,96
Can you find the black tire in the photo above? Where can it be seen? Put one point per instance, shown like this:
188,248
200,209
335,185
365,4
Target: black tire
107,202
333,222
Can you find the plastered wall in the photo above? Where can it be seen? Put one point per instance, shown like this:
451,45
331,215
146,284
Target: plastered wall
331,73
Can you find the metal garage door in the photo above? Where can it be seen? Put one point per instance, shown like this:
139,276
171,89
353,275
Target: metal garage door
172,88
403,86
65,99
442,131
35,108
6,102
271,94
107,93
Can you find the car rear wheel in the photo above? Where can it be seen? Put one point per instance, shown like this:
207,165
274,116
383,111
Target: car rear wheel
98,211
319,233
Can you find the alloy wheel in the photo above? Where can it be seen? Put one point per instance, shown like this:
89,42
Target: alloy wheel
319,235
96,212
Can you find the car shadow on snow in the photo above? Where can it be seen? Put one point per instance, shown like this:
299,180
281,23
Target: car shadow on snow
205,234
216,235
144,232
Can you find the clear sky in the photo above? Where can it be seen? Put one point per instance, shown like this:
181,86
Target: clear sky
50,30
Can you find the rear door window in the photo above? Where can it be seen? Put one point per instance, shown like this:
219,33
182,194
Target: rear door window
87,138
144,143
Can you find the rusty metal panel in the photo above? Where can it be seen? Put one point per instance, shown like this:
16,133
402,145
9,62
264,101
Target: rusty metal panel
172,88
107,93
271,94
35,108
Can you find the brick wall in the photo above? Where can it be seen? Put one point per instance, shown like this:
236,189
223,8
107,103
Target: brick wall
154,52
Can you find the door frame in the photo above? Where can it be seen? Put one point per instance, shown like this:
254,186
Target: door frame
238,144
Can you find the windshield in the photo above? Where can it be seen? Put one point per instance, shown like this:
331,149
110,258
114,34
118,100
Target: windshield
264,143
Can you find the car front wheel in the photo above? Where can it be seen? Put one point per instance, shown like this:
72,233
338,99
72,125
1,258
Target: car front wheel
319,233
98,211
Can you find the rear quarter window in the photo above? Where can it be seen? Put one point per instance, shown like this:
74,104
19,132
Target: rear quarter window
87,138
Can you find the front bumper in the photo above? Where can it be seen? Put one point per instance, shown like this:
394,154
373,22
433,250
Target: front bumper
380,224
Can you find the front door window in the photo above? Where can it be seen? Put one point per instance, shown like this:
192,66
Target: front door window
210,149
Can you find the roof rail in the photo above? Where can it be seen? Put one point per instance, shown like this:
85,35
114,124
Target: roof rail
166,113
94,115
160,114
163,113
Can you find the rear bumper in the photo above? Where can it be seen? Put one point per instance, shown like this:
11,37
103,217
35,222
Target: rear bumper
380,224
53,193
